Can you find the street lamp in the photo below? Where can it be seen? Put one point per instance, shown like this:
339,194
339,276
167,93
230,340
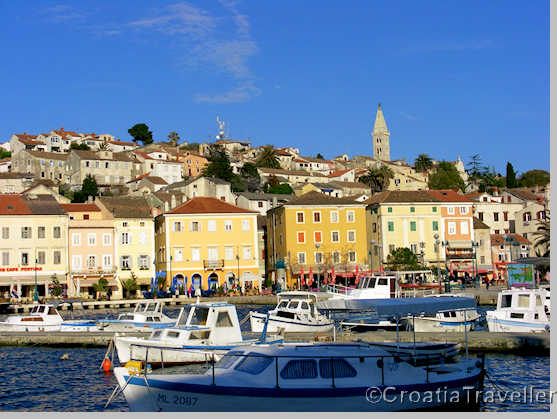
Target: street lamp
380,254
372,243
36,296
475,245
437,243
318,263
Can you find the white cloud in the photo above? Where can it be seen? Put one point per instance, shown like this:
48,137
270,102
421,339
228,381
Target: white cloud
238,94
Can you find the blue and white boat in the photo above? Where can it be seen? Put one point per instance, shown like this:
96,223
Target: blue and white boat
307,377
206,329
147,314
519,310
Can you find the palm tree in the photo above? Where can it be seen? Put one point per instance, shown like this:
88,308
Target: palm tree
173,138
378,178
268,158
104,146
423,163
543,234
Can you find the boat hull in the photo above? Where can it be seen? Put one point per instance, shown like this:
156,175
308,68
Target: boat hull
19,327
257,321
495,324
173,397
432,324
124,326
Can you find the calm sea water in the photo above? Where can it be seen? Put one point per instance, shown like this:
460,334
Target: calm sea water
36,379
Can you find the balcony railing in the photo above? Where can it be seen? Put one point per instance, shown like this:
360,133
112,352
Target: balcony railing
94,271
213,264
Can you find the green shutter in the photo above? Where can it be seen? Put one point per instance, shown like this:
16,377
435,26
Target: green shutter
412,226
390,209
435,226
412,209
434,209
391,226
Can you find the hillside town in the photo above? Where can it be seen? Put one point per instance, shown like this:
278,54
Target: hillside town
79,208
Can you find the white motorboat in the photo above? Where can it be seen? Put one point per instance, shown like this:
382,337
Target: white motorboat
547,302
295,312
454,320
369,287
147,314
519,310
41,318
203,330
307,377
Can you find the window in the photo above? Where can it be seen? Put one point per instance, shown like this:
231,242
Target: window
435,225
299,217
301,237
107,239
124,224
301,258
223,320
495,216
5,258
334,216
107,261
317,216
351,236
317,237
412,209
253,364
336,257
299,368
496,231
125,262
92,239
318,257
451,226
195,254
177,226
351,256
374,227
246,252
434,209
76,239
335,236
56,232
178,254
350,216
26,232
414,248
259,204
391,225
125,238
227,225
91,261
5,232
481,216
464,227
246,225
464,210
228,253
142,224
195,226
482,260
41,233
76,262
212,253
340,368
390,209
143,262
391,248
212,225
412,226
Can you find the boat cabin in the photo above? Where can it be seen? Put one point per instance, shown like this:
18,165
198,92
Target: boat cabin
148,306
522,304
293,304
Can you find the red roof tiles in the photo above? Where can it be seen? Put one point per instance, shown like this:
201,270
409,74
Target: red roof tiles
206,205
80,207
13,205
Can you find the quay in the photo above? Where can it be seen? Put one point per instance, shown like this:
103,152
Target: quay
482,296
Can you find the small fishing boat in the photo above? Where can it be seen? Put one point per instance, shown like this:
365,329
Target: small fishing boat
203,330
519,310
307,377
295,312
41,318
443,321
370,325
369,287
147,314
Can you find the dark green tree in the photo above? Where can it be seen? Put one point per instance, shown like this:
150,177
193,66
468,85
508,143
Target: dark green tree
268,158
320,156
88,188
377,178
543,235
446,176
190,147
423,163
140,132
100,286
57,288
75,146
219,164
533,178
403,259
129,286
4,154
251,178
173,138
283,188
511,176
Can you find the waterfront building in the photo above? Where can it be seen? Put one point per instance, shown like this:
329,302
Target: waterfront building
483,251
316,232
134,245
505,249
33,243
90,250
261,202
207,243
494,211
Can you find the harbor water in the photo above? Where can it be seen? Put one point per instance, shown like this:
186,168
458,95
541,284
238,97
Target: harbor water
37,379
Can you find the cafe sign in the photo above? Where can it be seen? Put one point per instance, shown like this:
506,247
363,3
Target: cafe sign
21,269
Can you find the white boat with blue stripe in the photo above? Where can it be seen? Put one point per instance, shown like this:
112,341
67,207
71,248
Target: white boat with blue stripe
520,310
147,314
307,377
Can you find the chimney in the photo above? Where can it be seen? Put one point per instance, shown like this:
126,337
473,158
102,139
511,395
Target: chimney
173,201
166,206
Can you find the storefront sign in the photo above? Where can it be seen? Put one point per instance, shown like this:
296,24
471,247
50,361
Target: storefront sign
520,274
21,269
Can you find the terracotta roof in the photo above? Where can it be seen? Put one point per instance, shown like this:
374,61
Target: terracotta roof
289,172
48,155
15,175
126,206
30,142
523,193
402,197
480,225
7,159
338,173
80,207
498,240
118,142
43,205
317,198
139,177
62,132
11,204
95,155
448,195
206,205
25,135
156,180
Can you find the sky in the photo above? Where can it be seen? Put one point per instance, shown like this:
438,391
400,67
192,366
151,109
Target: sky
454,78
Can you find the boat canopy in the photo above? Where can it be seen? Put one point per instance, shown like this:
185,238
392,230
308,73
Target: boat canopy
398,306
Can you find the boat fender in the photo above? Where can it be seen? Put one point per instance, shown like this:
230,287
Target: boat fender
106,365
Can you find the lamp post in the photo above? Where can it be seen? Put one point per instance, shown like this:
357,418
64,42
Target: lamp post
475,245
318,263
372,244
36,295
437,243
380,254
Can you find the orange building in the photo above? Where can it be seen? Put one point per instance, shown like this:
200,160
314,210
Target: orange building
193,163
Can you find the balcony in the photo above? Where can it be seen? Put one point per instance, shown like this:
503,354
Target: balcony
94,271
213,264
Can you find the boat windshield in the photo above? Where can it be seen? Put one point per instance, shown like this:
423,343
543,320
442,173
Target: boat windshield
151,307
229,359
41,309
282,304
52,311
293,304
140,307
34,309
183,318
199,317
254,363
368,283
125,317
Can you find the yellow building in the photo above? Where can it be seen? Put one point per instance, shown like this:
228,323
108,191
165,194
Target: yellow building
209,243
317,232
409,219
33,244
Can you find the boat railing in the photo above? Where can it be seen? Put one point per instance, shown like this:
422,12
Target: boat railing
430,360
338,289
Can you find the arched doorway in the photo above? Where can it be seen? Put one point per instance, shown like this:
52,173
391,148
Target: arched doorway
213,282
180,283
230,280
196,281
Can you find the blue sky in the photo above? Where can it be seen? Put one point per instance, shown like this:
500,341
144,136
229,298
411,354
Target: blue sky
453,77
